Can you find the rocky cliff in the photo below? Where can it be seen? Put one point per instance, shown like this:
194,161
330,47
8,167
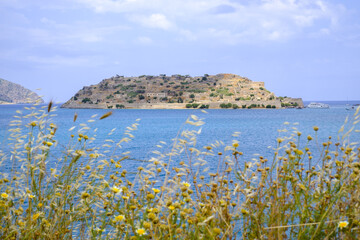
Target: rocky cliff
178,91
15,93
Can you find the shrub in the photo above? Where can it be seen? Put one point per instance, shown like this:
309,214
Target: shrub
195,105
87,100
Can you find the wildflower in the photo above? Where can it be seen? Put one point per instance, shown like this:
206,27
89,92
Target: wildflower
171,207
21,223
186,184
40,205
49,144
4,195
119,218
117,165
208,148
316,128
35,216
343,224
217,231
116,190
301,186
245,212
147,225
31,196
85,195
156,190
125,197
141,231
235,145
33,124
150,196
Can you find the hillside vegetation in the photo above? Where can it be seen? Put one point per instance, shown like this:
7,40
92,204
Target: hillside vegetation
178,91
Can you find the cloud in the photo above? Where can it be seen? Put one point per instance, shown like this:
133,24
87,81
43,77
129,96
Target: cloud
221,21
153,21
259,20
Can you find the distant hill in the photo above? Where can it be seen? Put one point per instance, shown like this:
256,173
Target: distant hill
178,91
14,93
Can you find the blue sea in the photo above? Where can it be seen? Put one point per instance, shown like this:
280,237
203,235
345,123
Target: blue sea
257,129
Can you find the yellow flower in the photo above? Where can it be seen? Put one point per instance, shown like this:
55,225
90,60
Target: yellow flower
21,223
119,218
31,196
245,212
4,195
35,216
156,190
141,231
49,143
171,207
186,184
33,124
125,197
235,145
343,224
85,195
116,190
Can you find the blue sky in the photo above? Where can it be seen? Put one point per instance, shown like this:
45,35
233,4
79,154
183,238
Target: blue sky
299,48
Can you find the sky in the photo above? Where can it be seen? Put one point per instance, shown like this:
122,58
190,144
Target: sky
299,48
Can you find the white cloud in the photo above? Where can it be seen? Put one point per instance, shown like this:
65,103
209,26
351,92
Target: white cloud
153,21
223,21
259,20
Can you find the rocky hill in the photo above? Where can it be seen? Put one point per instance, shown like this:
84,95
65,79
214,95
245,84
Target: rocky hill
178,91
15,93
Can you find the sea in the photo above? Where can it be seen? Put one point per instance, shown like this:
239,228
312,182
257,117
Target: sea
256,130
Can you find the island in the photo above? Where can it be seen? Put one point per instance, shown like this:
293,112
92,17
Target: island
179,92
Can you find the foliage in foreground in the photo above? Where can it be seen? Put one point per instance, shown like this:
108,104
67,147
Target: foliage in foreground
83,192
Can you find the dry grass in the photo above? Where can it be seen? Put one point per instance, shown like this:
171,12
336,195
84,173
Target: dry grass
83,192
